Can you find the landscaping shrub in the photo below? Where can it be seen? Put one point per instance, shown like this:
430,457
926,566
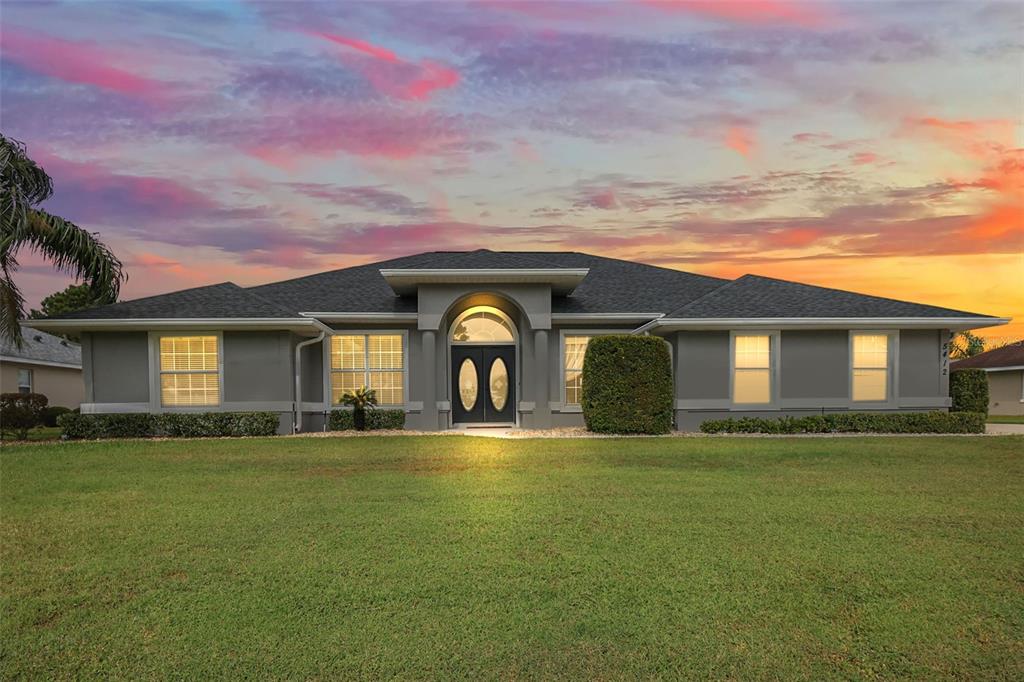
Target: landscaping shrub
376,419
51,413
171,425
20,412
969,390
627,385
854,422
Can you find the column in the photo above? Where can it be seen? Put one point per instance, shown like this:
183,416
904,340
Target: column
429,348
540,375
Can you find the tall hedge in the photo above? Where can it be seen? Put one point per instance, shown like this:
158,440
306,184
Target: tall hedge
969,390
627,385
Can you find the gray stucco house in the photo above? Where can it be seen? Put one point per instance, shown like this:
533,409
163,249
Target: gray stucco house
484,337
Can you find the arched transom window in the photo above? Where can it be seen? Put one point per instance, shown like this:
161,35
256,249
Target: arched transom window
483,324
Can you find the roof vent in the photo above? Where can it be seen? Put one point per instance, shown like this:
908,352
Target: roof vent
64,342
37,338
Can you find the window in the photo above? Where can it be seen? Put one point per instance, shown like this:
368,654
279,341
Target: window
870,367
189,371
373,360
24,381
574,348
752,369
481,325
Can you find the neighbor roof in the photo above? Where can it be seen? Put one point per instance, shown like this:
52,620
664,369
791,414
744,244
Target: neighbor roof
1011,355
38,346
753,296
611,286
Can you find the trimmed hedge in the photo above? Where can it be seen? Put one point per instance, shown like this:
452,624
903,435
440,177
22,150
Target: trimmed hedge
854,422
76,426
376,419
969,390
20,412
51,413
627,385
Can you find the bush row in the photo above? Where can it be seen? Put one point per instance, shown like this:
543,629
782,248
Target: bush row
341,420
969,390
171,425
854,422
627,385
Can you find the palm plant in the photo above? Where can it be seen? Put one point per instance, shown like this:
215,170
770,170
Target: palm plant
24,185
359,400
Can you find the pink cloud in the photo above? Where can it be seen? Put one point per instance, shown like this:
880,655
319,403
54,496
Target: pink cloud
524,151
863,158
389,73
75,62
801,13
978,138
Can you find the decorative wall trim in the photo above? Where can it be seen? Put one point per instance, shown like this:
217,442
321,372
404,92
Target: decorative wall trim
527,406
113,408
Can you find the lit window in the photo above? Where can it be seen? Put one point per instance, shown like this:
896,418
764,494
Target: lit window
752,370
575,349
870,367
376,361
24,381
482,327
189,371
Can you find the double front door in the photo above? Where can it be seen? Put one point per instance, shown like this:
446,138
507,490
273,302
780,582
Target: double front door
483,384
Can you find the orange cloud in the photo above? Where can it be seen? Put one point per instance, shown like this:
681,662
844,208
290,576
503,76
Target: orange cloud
740,140
978,137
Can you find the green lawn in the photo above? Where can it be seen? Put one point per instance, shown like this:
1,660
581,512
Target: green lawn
999,419
440,557
38,433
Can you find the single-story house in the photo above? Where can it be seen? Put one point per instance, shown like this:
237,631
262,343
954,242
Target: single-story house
465,338
1004,368
45,364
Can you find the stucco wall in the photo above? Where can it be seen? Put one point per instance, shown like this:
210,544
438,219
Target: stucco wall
1004,392
116,366
61,385
257,366
920,363
814,364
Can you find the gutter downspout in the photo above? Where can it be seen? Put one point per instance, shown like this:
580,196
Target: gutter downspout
643,329
297,403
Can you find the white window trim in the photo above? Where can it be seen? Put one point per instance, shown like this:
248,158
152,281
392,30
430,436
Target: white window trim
892,370
774,372
31,379
562,333
155,402
328,343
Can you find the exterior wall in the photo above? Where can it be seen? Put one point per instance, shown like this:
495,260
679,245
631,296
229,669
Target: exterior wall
116,368
813,375
1006,392
61,385
257,368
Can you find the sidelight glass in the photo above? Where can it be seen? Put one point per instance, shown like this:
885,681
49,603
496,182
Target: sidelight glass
499,384
468,387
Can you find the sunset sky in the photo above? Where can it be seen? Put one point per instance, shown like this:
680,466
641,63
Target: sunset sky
868,146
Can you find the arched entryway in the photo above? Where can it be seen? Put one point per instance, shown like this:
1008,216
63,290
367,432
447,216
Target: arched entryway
483,342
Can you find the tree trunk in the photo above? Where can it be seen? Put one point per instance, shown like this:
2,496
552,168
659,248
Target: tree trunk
359,419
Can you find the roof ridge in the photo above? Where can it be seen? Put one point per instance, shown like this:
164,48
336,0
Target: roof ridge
716,290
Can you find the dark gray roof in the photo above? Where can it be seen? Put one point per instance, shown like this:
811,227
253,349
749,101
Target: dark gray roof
216,300
612,286
756,296
43,347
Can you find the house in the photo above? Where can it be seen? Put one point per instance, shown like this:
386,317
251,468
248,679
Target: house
484,337
44,364
1005,370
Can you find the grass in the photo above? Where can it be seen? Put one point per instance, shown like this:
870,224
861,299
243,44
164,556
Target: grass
36,434
1004,419
438,557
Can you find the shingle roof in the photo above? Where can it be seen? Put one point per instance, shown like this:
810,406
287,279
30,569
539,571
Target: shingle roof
226,300
753,296
43,347
612,286
1011,355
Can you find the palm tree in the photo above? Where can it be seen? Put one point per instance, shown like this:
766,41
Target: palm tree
24,185
360,400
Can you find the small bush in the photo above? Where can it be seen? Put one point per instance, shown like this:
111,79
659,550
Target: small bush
20,412
51,413
627,385
969,390
171,425
342,420
853,422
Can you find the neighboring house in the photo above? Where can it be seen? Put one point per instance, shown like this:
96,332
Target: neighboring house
483,337
1005,370
44,364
